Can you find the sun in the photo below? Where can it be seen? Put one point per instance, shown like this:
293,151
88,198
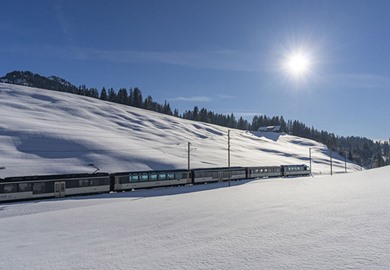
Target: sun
297,64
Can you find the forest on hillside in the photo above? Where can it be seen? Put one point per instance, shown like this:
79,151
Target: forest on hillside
363,151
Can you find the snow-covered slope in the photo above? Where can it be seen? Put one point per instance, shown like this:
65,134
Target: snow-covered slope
46,132
325,222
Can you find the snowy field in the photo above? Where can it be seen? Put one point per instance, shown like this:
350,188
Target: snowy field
47,132
324,222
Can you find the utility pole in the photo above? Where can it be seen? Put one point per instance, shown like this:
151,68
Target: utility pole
330,156
331,165
229,155
189,154
310,160
345,161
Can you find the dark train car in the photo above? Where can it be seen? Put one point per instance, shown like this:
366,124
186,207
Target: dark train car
218,174
52,186
295,170
264,171
149,179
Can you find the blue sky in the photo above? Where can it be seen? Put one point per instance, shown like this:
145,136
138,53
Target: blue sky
224,55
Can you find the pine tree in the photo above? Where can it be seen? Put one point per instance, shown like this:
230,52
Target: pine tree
111,95
122,96
103,94
378,160
137,97
242,124
167,108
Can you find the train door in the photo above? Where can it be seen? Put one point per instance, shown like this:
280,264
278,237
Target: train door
59,189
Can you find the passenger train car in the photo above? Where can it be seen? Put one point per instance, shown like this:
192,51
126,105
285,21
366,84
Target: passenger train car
149,179
57,186
294,170
217,174
53,186
262,172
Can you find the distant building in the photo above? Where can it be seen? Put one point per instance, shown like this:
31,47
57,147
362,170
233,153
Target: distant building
269,129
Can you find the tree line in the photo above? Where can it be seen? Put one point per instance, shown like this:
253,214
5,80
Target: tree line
362,151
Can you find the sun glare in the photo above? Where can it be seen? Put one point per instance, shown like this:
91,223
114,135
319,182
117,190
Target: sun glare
297,65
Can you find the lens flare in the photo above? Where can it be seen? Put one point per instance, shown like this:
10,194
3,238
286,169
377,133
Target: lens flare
297,64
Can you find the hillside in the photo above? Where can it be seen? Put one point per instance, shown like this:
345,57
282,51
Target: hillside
360,150
52,132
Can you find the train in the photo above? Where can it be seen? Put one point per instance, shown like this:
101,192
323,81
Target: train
59,186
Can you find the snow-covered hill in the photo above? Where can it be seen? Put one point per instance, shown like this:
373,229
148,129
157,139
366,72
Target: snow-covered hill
47,132
325,222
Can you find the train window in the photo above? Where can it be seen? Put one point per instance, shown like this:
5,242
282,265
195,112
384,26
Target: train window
144,177
24,187
134,178
10,188
162,176
153,177
72,183
184,175
94,182
83,183
39,188
237,172
170,176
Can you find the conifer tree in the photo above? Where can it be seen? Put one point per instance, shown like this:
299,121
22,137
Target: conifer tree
111,95
103,94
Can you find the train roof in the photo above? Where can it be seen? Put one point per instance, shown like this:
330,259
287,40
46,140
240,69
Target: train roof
274,166
149,171
51,177
218,168
292,165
